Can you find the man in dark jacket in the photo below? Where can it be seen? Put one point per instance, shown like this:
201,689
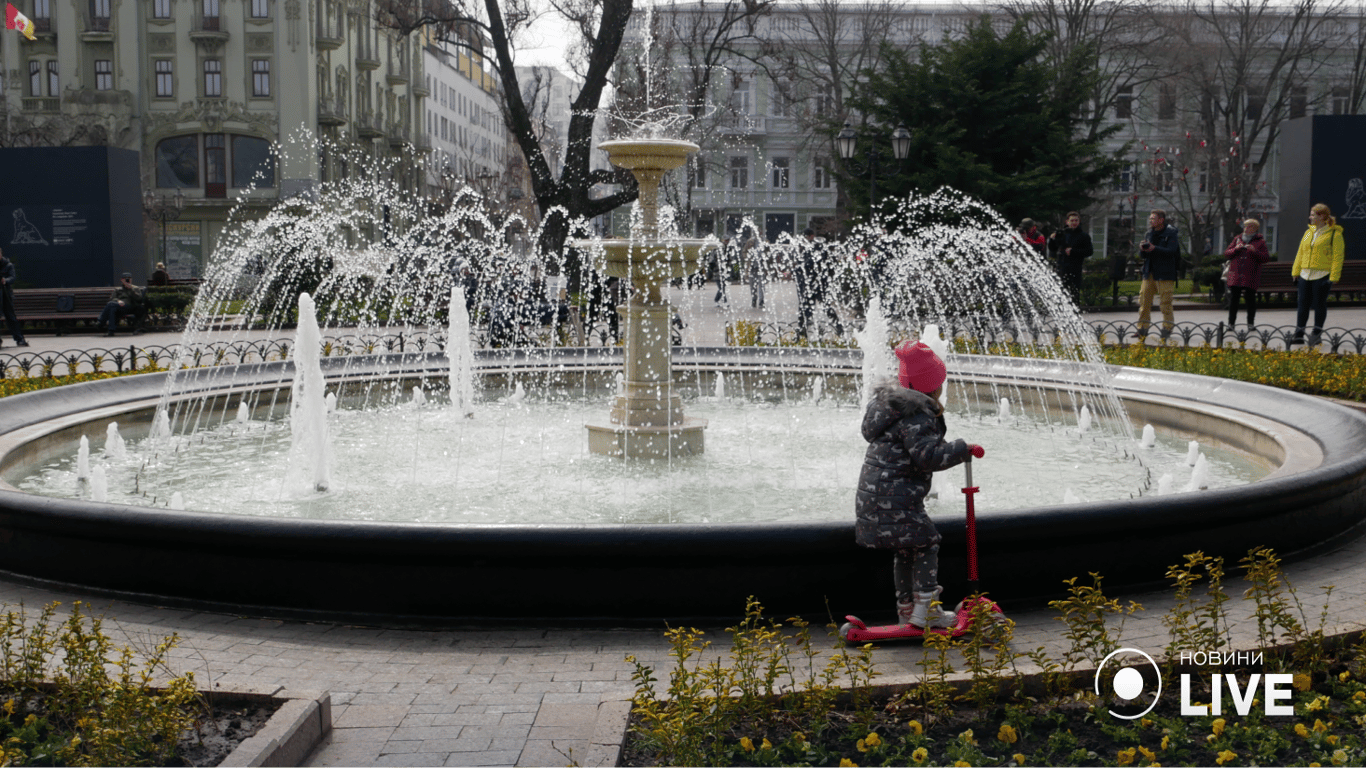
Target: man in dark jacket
1161,249
127,299
1071,247
7,300
813,272
904,427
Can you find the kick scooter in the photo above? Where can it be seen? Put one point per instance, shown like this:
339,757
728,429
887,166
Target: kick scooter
855,631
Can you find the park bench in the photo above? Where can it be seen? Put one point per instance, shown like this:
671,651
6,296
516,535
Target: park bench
63,309
1276,281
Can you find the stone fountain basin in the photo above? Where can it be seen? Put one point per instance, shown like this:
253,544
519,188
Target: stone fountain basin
446,574
663,260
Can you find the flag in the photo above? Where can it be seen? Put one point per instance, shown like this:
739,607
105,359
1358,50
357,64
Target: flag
16,20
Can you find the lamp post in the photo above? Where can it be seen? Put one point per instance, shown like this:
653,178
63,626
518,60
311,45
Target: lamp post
846,142
162,209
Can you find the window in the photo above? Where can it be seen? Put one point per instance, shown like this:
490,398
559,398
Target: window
1125,181
824,104
35,78
820,174
1299,101
740,98
739,173
260,9
42,15
161,9
213,77
260,78
699,172
54,85
1166,102
210,15
165,79
99,15
1124,103
215,165
781,166
779,103
104,75
1256,102
252,162
177,162
1339,98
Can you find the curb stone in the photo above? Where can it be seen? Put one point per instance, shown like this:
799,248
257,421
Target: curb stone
290,735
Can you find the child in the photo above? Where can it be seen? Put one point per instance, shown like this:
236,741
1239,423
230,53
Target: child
904,427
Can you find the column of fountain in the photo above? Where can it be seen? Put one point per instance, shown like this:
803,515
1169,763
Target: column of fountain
647,419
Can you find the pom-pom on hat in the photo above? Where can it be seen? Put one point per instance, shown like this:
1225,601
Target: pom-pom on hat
921,368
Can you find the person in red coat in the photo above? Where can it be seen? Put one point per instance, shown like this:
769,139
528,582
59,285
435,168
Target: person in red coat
1245,256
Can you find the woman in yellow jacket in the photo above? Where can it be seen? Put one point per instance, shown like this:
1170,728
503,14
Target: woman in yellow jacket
1318,265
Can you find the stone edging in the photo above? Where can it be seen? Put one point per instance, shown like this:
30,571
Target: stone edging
291,734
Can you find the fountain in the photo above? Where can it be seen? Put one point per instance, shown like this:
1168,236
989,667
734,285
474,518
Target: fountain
155,539
647,420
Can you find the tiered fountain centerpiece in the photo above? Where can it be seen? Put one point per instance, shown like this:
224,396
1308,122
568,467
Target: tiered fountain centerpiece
647,420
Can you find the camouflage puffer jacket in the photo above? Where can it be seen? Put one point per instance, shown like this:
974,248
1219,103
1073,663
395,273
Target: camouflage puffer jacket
905,434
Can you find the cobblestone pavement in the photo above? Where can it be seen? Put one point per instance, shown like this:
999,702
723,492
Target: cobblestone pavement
485,696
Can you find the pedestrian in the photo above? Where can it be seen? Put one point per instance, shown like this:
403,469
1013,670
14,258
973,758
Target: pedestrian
1161,248
1245,256
904,427
16,331
1029,230
1318,264
127,299
753,259
159,276
813,284
721,259
1071,247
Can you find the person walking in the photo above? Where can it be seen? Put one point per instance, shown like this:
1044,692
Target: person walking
1318,264
721,259
1071,247
1029,230
1245,256
1161,248
752,258
904,427
16,331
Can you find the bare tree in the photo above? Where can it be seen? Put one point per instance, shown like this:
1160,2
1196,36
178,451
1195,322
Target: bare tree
1235,70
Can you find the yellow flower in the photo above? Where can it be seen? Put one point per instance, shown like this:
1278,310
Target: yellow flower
1300,681
967,738
861,746
1007,734
962,764
746,744
1359,696
766,745
1300,730
1219,726
1225,757
1126,756
847,763
9,707
1166,742
1318,703
1332,739
920,754
1344,677
1339,757
916,727
1315,765
1019,758
873,740
1210,738
799,737
1145,722
1319,727
1148,754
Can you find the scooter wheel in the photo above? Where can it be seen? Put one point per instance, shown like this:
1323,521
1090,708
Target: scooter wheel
845,629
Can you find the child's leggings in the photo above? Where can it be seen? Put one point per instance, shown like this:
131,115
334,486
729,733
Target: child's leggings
915,570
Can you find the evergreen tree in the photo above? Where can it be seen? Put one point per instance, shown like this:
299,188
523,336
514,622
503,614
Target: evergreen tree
990,117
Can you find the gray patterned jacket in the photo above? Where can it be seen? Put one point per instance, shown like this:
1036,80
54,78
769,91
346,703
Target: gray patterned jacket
905,434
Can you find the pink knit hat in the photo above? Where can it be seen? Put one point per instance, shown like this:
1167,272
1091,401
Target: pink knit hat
921,368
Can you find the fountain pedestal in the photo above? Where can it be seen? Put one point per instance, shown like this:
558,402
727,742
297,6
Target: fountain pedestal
647,420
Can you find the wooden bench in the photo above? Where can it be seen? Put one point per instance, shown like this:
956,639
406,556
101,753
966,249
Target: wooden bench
64,308
1276,280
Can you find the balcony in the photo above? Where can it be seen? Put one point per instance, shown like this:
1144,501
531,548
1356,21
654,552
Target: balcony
97,29
398,134
744,125
42,105
330,35
208,32
366,61
398,73
368,127
330,112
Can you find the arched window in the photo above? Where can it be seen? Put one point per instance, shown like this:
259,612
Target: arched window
252,163
179,161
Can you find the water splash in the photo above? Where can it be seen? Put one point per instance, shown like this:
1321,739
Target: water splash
419,399
243,412
114,446
83,460
719,390
879,360
1199,475
1149,437
310,449
177,502
1192,453
460,353
1084,420
1003,411
1165,484
99,484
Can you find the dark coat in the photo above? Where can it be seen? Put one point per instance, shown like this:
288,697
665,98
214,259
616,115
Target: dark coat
7,277
1245,264
905,433
1080,243
1160,263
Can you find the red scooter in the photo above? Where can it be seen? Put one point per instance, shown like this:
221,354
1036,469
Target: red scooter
855,631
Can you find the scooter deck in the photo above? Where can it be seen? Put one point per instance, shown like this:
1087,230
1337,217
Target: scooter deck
856,631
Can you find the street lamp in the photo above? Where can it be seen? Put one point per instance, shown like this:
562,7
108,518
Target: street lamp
163,209
846,142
